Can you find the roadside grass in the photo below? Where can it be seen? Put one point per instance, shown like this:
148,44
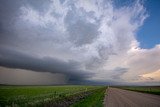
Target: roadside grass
93,100
145,89
29,96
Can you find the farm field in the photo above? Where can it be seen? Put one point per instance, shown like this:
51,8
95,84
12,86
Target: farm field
144,89
93,100
24,96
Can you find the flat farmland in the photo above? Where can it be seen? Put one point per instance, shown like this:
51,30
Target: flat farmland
144,89
24,96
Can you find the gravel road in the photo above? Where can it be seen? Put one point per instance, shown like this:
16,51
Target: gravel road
124,98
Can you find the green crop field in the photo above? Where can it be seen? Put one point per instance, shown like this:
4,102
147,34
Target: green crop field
93,100
25,96
144,89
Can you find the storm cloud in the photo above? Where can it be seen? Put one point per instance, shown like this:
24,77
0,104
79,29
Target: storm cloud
17,60
89,41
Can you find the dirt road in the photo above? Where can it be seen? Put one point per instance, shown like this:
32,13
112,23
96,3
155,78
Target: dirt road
123,98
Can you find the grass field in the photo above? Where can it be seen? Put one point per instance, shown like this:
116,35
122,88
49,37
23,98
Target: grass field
93,100
144,89
25,96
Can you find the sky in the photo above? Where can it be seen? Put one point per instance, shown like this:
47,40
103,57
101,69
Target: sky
48,42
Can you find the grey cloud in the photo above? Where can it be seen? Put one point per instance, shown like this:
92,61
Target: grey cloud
118,72
27,77
93,63
9,13
104,53
14,59
41,5
82,33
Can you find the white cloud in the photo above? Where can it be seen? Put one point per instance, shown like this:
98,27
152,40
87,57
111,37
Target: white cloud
142,61
153,76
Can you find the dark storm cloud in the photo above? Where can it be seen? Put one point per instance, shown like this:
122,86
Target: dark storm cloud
41,5
14,59
9,13
72,38
9,10
82,33
12,36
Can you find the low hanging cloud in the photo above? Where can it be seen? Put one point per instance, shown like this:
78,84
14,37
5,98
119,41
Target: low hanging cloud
17,60
28,77
86,41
